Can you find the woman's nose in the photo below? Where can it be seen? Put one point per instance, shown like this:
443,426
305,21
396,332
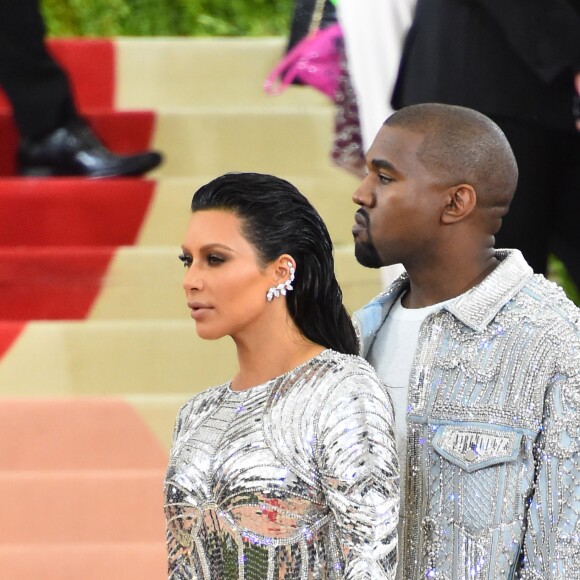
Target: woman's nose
192,280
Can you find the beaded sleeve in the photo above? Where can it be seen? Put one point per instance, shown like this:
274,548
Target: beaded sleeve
358,465
552,541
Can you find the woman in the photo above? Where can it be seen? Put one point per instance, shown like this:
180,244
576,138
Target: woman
289,470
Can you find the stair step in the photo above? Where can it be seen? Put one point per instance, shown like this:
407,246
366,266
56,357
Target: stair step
175,72
146,283
72,211
330,190
215,140
81,506
113,358
46,434
120,131
129,283
204,72
91,65
87,561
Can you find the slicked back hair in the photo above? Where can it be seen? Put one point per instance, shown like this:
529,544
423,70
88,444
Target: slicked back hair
277,219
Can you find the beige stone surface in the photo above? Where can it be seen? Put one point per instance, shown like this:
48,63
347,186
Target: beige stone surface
188,72
113,358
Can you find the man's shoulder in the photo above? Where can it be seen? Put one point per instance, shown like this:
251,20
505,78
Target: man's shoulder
542,298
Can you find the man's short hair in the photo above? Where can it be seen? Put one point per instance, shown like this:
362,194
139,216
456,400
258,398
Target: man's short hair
463,146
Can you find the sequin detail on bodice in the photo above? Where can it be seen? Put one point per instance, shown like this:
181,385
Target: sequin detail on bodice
245,499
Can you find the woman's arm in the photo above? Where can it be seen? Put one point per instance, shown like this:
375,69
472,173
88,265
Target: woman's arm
359,471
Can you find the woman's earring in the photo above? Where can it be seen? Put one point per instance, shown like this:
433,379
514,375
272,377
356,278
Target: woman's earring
283,287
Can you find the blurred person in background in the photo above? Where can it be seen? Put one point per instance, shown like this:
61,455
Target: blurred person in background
518,62
54,139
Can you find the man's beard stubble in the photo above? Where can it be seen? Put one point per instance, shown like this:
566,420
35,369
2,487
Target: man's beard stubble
364,250
366,254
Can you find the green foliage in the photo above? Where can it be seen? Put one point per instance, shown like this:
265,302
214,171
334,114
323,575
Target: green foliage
167,17
557,272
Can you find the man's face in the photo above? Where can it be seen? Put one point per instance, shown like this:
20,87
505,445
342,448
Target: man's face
400,202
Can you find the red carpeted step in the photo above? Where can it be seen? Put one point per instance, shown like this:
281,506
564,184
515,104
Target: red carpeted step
79,477
81,506
39,435
120,561
91,65
66,281
120,131
72,212
9,332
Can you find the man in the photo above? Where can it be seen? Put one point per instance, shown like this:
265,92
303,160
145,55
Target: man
481,356
54,139
518,62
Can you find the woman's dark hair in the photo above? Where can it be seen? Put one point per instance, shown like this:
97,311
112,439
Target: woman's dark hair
277,219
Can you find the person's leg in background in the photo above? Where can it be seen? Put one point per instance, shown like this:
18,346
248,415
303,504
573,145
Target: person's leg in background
54,139
566,232
528,224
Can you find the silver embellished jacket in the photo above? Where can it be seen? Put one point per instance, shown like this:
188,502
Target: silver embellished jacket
493,459
295,478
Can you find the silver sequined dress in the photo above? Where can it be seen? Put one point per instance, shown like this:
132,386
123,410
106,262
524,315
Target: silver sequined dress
294,478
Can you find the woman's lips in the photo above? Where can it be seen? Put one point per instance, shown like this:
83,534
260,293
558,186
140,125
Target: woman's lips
198,310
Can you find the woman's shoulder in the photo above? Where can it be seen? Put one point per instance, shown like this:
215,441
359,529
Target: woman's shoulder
343,365
202,401
348,373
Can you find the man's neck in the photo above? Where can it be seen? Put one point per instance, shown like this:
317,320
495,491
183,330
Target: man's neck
445,281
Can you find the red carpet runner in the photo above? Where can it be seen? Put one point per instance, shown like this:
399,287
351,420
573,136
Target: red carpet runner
80,479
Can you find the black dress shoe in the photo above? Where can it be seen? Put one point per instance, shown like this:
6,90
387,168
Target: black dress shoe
75,150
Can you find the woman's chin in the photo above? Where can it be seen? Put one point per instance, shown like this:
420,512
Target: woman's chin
208,333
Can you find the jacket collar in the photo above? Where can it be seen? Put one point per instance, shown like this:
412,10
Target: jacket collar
476,308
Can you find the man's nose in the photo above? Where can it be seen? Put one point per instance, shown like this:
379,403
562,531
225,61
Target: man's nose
363,194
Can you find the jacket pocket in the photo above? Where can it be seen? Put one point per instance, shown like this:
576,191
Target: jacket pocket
475,446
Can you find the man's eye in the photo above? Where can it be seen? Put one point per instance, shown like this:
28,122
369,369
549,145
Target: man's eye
186,260
385,178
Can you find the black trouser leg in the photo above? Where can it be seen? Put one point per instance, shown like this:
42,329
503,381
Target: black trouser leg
545,211
36,86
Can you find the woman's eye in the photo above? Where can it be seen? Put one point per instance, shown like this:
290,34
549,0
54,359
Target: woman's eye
384,178
214,260
186,260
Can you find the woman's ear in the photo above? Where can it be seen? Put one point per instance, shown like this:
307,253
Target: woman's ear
460,203
285,267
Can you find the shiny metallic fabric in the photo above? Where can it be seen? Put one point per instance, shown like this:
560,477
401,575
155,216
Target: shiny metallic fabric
295,478
493,431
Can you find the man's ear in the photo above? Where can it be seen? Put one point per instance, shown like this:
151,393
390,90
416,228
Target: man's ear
461,201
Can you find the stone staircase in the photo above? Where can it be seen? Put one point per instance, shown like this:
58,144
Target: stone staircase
97,350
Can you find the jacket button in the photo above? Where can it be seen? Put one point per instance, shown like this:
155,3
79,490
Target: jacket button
470,456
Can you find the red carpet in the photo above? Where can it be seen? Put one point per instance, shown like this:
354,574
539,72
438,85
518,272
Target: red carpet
80,479
58,235
9,332
48,283
73,212
91,63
